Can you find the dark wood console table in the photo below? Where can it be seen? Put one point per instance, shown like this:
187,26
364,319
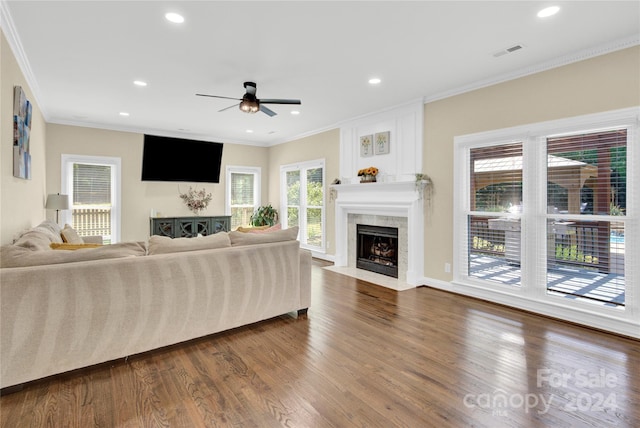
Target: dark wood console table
188,227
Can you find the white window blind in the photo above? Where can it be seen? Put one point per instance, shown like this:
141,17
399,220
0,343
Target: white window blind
495,191
587,185
91,184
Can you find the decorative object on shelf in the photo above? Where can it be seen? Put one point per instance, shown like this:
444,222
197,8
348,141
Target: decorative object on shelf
423,184
57,202
264,216
196,200
368,175
366,146
382,143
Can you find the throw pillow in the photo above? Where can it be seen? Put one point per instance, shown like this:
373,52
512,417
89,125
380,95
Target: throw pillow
70,235
67,246
239,238
250,229
35,239
164,244
265,230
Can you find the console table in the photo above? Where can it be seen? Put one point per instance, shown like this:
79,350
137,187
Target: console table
188,227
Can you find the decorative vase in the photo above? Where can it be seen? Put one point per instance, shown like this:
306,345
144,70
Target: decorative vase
367,178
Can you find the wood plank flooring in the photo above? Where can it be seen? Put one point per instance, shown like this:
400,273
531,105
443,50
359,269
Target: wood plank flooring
364,356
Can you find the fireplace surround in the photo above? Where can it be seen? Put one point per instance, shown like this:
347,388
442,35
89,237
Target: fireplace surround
391,204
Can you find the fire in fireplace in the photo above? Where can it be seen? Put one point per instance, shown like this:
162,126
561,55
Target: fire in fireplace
378,249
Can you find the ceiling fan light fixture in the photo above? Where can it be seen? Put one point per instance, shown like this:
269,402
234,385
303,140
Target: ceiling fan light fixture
249,104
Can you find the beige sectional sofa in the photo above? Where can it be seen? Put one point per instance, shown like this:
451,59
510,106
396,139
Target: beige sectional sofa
62,310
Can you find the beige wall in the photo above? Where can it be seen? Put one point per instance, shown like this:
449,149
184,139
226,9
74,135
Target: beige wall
608,82
325,145
138,197
21,201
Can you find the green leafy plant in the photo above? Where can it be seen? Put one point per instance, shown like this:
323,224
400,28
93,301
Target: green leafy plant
265,215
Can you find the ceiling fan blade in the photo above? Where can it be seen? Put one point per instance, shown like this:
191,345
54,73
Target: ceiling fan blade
277,101
267,111
227,108
218,96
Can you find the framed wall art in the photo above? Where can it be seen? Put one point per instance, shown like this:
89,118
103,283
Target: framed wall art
22,111
366,146
381,143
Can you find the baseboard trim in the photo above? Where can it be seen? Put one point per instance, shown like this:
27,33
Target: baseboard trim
581,317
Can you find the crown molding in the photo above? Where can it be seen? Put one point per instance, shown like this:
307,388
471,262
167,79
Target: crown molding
10,33
581,55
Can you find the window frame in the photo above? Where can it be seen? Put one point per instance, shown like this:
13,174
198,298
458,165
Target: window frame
533,295
67,161
256,171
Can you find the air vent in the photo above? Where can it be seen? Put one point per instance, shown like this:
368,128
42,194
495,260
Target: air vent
507,50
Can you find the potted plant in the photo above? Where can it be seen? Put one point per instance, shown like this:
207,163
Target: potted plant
265,215
423,182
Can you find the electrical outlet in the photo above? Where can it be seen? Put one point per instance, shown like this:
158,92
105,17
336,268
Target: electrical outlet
447,267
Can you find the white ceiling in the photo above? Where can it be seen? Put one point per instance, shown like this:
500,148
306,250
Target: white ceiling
81,58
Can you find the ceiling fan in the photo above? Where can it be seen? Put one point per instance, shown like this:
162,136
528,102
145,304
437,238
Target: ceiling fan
249,103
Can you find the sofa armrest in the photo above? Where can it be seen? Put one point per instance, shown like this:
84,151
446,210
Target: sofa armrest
95,239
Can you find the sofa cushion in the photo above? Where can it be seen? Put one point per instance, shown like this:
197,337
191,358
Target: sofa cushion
70,235
164,244
240,238
16,256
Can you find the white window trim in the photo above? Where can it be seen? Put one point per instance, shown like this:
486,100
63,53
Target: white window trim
317,163
116,180
532,295
257,184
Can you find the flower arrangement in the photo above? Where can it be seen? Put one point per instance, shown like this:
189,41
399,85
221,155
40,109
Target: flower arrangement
372,170
196,200
368,175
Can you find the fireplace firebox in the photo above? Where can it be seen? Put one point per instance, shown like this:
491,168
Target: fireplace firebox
377,249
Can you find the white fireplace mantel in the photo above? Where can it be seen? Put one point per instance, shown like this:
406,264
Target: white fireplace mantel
393,199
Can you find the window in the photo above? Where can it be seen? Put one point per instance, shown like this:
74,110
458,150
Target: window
586,182
303,198
243,194
493,224
542,212
93,186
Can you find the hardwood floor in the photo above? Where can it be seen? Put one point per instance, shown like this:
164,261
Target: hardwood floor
364,356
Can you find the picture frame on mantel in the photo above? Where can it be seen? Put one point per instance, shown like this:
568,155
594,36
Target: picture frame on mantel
366,146
381,143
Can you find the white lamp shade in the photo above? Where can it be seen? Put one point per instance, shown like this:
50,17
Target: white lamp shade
57,202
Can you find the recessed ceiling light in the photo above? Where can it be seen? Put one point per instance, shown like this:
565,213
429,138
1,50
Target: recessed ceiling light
174,17
139,83
249,131
295,112
124,113
374,81
548,11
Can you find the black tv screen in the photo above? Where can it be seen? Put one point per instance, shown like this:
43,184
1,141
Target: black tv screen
178,159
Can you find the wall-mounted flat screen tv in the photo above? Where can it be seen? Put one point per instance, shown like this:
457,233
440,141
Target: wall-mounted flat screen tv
178,159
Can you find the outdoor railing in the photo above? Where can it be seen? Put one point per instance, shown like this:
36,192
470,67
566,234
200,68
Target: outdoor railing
581,248
92,221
